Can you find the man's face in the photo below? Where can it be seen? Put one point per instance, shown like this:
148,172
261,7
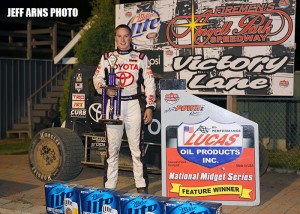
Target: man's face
123,39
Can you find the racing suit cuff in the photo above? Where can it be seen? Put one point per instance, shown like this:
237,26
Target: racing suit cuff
151,107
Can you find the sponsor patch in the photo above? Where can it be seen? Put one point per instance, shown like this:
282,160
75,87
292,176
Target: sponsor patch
78,104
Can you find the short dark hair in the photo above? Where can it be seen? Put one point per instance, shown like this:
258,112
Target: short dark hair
123,26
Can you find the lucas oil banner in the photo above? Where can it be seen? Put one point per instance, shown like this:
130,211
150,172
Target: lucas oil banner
219,47
208,153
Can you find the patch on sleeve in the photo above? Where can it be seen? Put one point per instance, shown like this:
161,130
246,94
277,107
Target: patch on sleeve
106,55
142,55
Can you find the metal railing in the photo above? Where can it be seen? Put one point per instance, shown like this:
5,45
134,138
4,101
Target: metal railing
46,87
19,79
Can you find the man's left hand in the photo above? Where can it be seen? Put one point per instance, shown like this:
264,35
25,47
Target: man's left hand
148,116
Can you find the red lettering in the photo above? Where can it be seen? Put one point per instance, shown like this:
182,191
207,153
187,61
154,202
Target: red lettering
222,140
207,142
188,142
188,108
232,139
197,141
211,139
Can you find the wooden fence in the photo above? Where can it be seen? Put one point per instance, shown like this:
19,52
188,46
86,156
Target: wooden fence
22,38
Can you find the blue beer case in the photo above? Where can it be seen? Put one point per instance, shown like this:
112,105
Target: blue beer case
100,200
179,206
132,203
62,197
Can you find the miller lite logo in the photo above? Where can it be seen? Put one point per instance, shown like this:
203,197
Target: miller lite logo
210,143
135,204
144,27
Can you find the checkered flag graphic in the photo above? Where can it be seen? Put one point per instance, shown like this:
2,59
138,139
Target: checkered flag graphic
203,129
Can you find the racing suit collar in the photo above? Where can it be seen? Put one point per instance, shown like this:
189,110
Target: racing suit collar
122,52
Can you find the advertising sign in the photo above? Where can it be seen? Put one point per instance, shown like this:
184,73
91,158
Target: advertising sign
219,47
208,153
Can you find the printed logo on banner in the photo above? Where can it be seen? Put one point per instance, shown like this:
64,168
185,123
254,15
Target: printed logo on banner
145,27
95,111
194,110
80,113
210,143
79,77
78,96
172,98
128,14
78,86
156,59
284,3
260,30
78,104
284,83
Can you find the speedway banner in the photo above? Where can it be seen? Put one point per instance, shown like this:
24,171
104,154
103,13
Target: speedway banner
219,47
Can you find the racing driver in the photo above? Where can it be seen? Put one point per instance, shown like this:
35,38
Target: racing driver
134,74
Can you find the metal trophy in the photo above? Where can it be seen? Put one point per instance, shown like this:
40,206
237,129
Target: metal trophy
111,120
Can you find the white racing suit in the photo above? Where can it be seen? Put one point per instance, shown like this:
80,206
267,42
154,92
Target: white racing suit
133,71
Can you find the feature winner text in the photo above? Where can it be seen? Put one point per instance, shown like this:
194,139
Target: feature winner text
210,176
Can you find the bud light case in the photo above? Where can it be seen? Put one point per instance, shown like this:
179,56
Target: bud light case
100,200
142,204
62,198
179,206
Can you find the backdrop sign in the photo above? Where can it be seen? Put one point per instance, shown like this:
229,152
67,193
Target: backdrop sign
208,153
220,48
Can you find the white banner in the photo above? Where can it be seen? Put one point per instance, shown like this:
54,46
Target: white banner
220,48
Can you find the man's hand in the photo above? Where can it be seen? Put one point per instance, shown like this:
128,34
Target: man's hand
111,92
148,116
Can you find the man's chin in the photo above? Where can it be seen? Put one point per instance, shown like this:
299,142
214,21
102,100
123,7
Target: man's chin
124,48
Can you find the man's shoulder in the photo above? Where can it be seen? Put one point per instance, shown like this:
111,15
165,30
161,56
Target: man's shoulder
108,53
141,54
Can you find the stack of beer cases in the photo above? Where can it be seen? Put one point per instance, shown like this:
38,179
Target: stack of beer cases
179,206
100,200
62,197
68,198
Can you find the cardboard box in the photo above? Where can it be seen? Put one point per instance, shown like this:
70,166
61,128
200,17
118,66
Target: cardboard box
62,198
100,200
142,204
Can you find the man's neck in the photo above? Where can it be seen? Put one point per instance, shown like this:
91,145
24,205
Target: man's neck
124,51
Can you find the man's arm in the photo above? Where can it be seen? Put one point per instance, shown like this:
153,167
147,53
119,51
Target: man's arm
99,76
150,90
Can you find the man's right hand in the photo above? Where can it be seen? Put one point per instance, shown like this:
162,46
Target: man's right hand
111,92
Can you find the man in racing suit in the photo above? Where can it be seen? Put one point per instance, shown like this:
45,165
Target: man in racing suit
133,71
